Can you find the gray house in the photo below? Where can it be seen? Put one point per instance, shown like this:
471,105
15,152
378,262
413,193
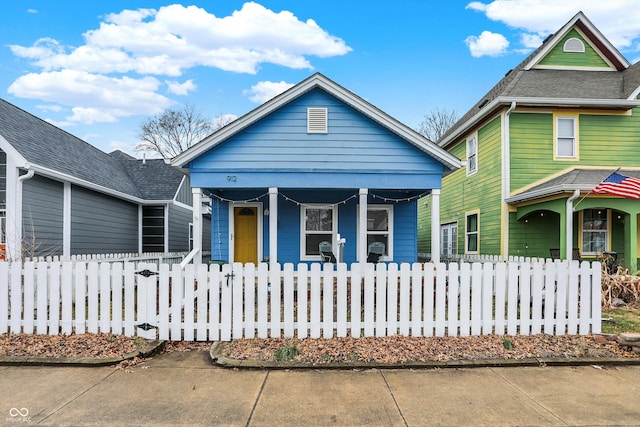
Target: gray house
60,195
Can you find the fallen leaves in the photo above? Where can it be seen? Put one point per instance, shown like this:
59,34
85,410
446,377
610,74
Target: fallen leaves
399,349
98,345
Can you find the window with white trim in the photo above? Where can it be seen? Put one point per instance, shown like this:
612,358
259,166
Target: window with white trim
319,224
380,228
566,137
472,234
595,231
472,155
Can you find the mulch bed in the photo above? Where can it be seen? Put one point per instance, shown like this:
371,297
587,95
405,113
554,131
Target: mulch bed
384,350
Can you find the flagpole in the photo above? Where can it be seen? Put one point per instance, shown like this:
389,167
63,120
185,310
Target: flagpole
591,191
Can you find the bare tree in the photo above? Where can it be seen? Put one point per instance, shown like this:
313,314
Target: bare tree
173,131
435,124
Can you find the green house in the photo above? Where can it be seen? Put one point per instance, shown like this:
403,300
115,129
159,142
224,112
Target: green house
534,148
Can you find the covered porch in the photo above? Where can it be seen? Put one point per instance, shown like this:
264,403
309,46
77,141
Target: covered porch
568,217
288,225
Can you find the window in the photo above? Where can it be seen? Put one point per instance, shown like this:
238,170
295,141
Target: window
472,155
153,229
319,224
317,120
595,231
380,228
566,137
573,45
471,234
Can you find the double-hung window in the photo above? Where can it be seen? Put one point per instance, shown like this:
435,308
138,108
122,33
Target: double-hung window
595,231
380,228
472,231
472,155
319,224
566,137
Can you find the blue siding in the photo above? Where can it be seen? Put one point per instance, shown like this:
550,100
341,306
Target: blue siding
277,151
219,230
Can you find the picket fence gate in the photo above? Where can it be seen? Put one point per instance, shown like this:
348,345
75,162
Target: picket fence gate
229,302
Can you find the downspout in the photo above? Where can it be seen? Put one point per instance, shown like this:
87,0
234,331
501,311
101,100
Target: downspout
569,224
19,219
506,178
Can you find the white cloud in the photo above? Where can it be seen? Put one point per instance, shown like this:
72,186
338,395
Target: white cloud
178,88
487,44
174,38
264,91
618,20
54,108
97,80
98,98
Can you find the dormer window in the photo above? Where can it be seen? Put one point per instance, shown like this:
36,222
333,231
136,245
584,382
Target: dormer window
317,120
573,45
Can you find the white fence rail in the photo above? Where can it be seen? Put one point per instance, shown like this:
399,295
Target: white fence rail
245,301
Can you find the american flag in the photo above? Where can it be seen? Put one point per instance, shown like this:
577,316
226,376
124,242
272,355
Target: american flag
620,185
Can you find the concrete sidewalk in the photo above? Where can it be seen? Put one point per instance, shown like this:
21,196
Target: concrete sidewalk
187,389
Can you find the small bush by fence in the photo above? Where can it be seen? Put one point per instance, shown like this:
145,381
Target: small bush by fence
245,301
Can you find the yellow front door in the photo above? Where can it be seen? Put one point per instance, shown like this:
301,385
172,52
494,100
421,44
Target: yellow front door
245,245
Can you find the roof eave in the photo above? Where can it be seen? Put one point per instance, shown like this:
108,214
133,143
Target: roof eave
529,196
491,107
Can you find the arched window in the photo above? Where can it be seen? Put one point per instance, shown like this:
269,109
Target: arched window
574,45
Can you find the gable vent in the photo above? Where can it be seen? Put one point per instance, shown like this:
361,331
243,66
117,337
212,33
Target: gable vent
317,120
574,45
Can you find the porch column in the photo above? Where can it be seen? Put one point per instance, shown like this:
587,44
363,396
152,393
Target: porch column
362,226
569,225
273,225
435,225
631,247
197,225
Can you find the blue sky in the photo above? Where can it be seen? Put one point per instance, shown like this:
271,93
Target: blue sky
97,69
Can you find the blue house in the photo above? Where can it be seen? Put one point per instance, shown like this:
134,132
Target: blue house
316,165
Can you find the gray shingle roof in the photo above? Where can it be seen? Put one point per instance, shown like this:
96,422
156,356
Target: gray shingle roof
47,146
576,179
558,84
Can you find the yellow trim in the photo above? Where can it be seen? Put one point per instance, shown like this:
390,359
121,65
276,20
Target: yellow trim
576,136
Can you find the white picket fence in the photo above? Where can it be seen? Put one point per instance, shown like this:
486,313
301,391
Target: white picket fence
246,301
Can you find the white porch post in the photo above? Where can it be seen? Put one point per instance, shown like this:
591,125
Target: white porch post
435,225
197,225
362,226
273,225
66,219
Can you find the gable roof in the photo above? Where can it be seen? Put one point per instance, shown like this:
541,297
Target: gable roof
526,85
318,80
52,152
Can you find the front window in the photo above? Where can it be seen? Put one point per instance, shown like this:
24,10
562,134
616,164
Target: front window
472,155
380,230
595,231
566,137
471,234
319,224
